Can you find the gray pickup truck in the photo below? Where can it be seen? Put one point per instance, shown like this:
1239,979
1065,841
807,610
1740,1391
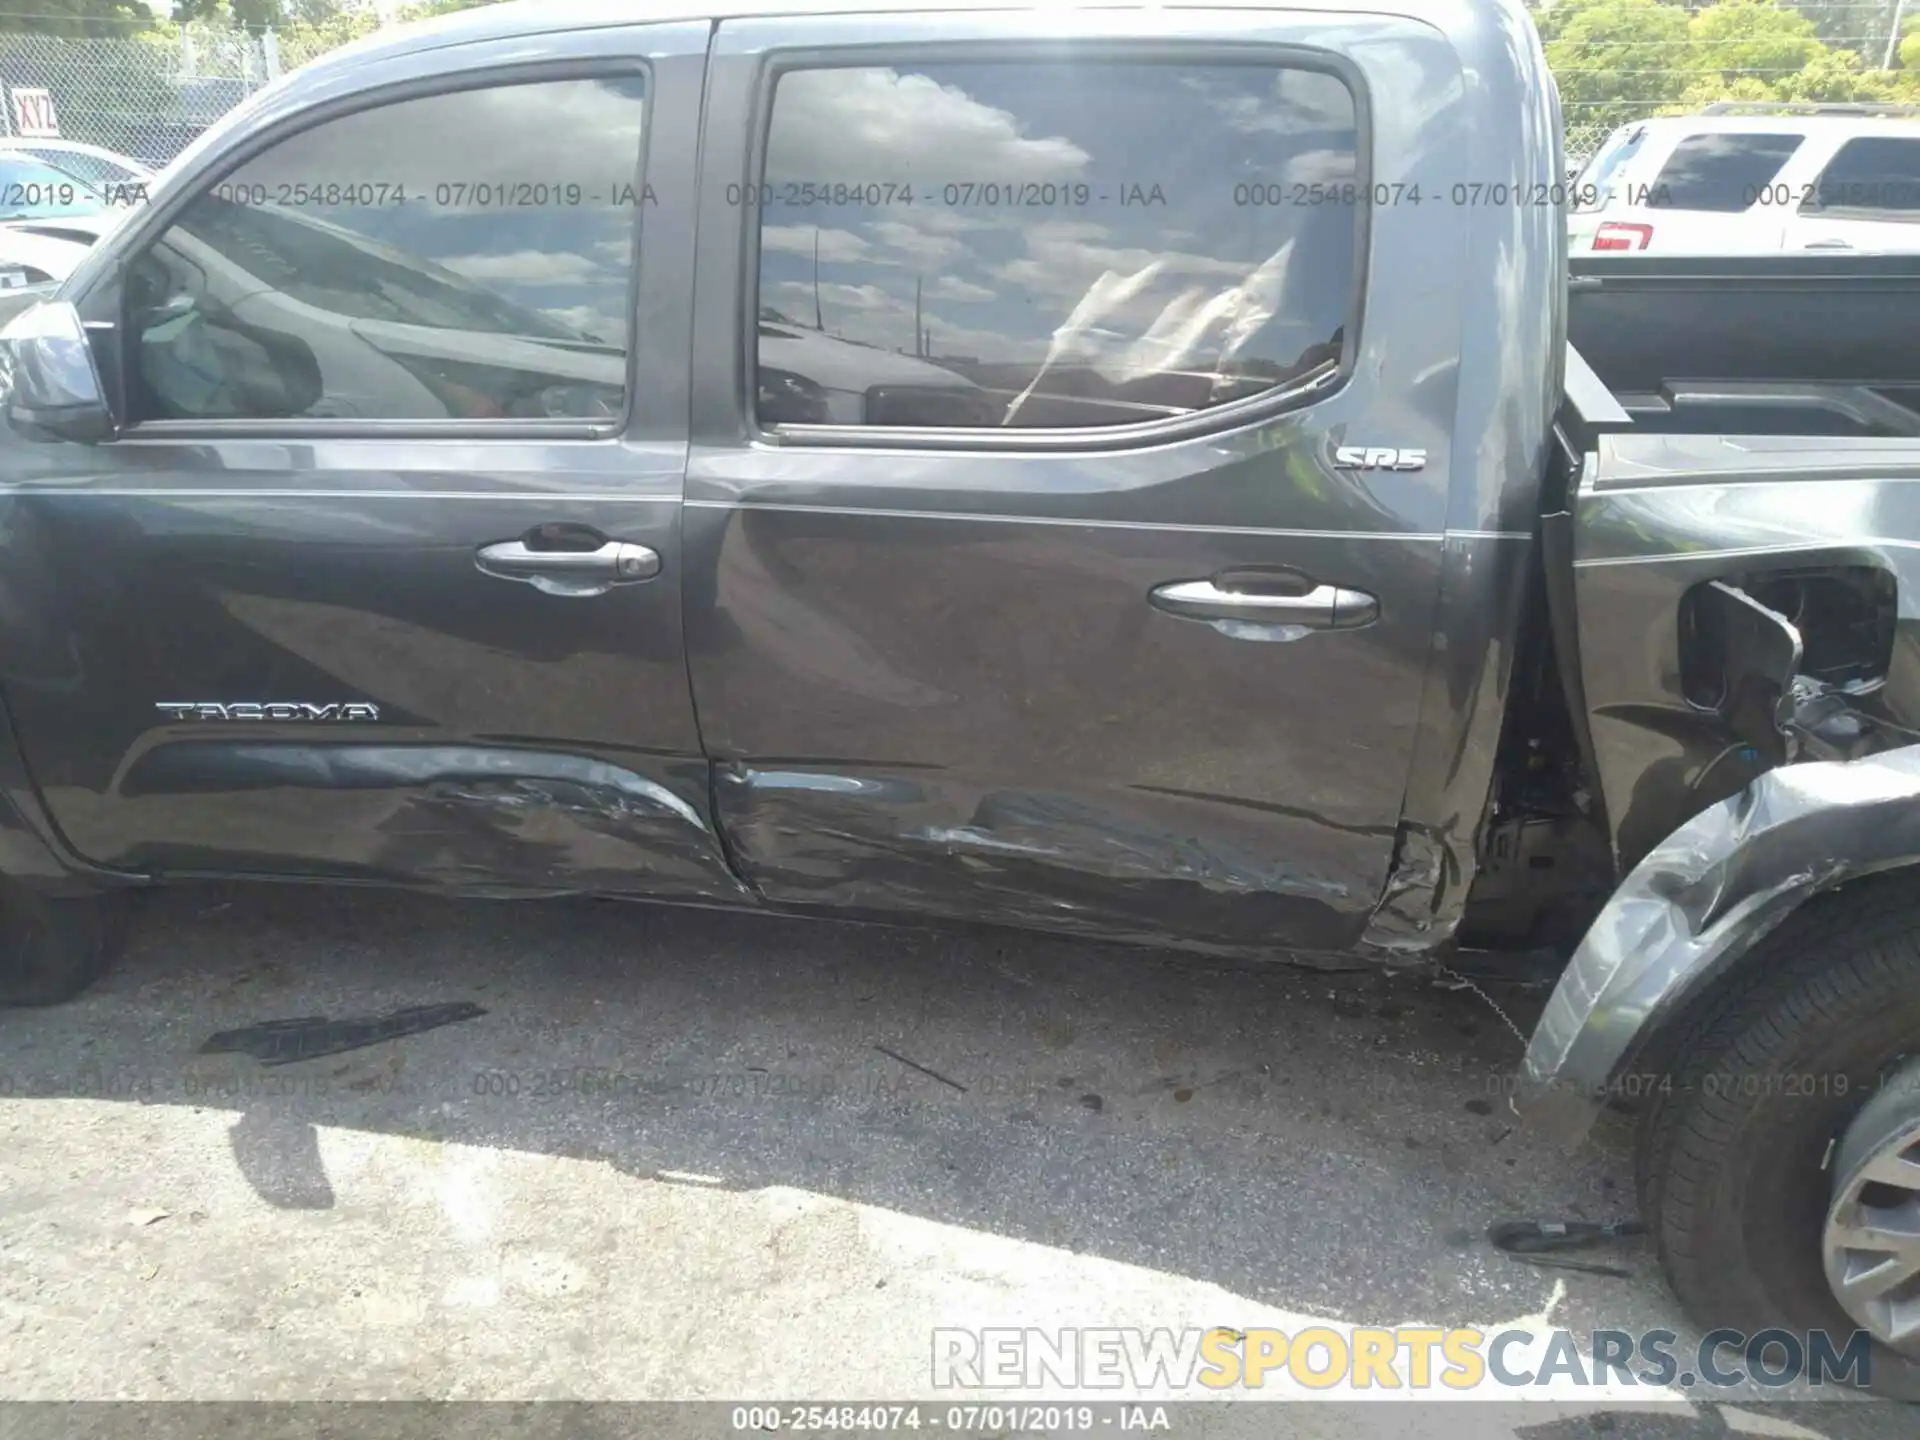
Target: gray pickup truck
1140,472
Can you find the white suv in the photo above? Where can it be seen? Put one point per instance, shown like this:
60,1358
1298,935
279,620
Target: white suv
1741,179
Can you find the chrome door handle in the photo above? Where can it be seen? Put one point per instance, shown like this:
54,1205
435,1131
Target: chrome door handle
570,572
1325,607
1828,245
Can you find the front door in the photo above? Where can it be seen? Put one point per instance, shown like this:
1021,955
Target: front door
1062,546
381,578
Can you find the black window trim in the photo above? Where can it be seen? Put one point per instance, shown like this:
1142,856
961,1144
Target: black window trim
159,219
1309,390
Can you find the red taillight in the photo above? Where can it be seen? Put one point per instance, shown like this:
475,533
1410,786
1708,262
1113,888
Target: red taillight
1619,235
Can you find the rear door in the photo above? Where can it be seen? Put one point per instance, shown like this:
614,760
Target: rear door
382,578
1062,543
1867,197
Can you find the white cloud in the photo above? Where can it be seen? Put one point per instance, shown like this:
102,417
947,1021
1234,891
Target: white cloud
837,298
837,247
503,133
952,287
958,222
914,245
588,320
879,126
528,267
1063,262
1311,166
1298,102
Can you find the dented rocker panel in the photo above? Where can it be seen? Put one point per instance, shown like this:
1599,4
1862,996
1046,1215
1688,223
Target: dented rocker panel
1159,868
463,817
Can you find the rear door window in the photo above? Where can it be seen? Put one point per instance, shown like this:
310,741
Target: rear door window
1042,244
1873,177
1721,172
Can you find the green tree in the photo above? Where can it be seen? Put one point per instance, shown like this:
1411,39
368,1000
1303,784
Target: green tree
1615,60
427,8
258,15
1620,60
254,15
1857,25
76,19
1760,49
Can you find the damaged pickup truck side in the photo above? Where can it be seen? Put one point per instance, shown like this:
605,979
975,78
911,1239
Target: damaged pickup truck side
1143,473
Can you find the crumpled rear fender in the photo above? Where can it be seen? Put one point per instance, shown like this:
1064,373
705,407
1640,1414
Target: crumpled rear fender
1695,903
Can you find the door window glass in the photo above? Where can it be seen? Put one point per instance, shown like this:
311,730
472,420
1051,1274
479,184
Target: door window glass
1031,244
1875,177
1722,172
31,189
1592,189
463,256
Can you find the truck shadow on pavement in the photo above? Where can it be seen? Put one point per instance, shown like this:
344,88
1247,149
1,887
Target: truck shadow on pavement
1333,1143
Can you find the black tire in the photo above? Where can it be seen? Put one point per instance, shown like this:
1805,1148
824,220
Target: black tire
51,950
1765,1078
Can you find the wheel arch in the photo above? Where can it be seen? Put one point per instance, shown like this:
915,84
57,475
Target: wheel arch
1678,931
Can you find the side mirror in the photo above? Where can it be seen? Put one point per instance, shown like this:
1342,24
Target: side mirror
48,383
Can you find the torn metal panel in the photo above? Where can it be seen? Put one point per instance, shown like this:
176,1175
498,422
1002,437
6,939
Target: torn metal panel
1661,519
1127,869
1421,903
1701,897
1465,692
466,817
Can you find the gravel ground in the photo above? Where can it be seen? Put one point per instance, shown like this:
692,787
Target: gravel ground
700,1156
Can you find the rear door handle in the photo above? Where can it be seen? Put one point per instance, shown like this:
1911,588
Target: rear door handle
1325,607
570,572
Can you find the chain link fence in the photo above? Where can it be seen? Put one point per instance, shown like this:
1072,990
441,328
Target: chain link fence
147,96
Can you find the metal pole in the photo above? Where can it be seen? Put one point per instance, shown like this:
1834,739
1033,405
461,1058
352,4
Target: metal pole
1893,40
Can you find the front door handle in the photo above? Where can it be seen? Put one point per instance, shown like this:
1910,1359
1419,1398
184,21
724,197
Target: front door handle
1828,245
570,572
1325,607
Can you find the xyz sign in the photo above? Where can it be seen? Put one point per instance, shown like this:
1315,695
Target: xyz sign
33,117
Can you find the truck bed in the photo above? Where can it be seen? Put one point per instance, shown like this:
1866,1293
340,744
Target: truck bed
1735,530
1754,345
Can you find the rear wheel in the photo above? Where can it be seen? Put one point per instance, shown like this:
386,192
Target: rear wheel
1872,1241
51,950
1736,1154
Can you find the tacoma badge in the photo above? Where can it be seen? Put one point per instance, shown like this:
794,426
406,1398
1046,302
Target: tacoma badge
266,710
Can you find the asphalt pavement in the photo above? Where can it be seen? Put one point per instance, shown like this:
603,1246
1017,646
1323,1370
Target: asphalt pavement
689,1155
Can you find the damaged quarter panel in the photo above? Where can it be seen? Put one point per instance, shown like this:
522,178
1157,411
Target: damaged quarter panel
1030,659
1822,531
1750,647
1701,897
